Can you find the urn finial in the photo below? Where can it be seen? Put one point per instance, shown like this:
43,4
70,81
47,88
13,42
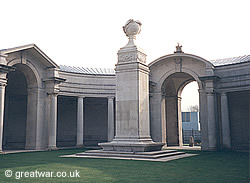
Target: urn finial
131,29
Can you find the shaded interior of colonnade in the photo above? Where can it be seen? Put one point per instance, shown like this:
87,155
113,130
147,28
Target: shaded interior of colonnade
171,90
66,121
15,116
239,117
95,121
95,127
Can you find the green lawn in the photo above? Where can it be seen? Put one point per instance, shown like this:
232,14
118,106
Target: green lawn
207,167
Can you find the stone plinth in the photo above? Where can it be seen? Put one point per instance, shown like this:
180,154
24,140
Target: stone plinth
132,146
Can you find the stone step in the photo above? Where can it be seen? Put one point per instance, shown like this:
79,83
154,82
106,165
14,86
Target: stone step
169,154
143,155
138,153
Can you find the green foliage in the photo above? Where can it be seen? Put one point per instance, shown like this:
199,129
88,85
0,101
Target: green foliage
207,167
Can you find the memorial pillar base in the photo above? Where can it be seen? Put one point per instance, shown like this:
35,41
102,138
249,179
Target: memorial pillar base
131,146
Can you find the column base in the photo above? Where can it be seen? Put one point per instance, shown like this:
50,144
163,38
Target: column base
79,146
212,149
226,148
52,148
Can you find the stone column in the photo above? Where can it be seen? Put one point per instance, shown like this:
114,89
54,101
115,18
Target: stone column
80,122
163,120
52,88
211,121
226,140
172,121
203,119
179,121
52,121
2,91
111,122
207,109
3,82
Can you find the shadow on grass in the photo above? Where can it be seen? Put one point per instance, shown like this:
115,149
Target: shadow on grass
207,167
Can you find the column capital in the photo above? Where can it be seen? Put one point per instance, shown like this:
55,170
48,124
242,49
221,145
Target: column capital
52,84
55,93
83,97
3,82
201,90
209,78
210,92
4,69
223,93
110,97
179,98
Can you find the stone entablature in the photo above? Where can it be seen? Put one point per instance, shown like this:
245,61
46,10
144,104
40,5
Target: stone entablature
233,77
87,85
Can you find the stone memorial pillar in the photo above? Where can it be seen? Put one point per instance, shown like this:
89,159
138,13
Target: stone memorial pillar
132,98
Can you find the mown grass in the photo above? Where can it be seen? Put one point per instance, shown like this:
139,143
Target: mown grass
207,167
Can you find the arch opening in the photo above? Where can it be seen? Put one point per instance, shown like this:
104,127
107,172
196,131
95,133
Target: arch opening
172,89
21,109
190,114
14,131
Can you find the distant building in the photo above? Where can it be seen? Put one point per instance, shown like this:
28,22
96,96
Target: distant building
190,120
190,126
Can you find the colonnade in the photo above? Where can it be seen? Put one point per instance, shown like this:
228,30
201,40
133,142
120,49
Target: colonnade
52,121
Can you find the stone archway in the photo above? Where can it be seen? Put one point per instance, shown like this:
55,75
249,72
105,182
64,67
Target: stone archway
168,76
21,108
171,91
14,134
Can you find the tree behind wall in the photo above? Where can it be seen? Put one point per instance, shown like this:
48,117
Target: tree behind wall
193,108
